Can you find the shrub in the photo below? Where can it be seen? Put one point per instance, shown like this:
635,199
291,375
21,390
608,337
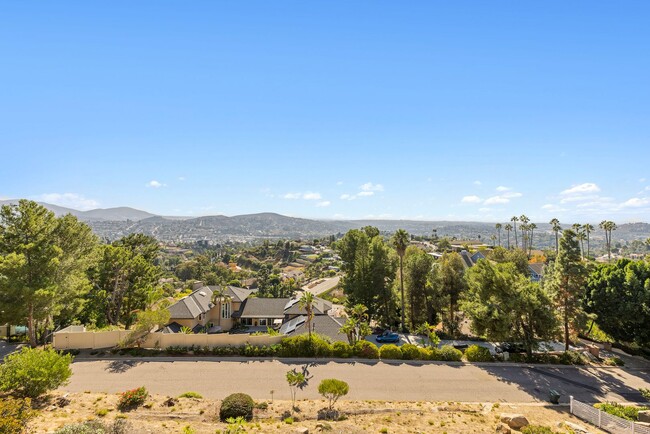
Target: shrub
101,412
536,429
629,412
645,393
132,399
614,361
572,358
237,405
33,372
14,414
332,389
300,346
191,395
477,353
288,420
390,351
366,350
342,349
450,354
434,354
410,352
118,426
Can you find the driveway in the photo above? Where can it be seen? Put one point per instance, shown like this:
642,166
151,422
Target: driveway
369,380
6,348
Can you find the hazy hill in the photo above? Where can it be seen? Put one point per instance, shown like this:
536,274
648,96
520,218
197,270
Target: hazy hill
111,214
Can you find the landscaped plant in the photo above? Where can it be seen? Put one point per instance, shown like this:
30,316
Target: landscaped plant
390,351
332,389
366,350
132,399
477,353
237,405
297,380
301,346
191,395
628,412
428,331
614,361
450,354
14,414
33,372
645,393
342,349
410,352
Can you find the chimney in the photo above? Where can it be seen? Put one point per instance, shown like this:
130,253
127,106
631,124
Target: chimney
197,284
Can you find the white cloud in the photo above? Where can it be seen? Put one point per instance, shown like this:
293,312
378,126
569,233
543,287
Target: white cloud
339,183
365,193
292,196
494,200
642,180
511,195
581,189
323,204
636,202
347,197
311,196
502,188
369,186
181,178
471,199
155,184
479,183
69,200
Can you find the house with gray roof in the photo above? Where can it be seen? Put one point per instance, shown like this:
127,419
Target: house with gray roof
272,312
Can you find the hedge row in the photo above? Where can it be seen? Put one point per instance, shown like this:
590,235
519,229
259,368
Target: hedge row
412,352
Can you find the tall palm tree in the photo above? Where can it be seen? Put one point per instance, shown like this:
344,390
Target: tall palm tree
493,238
588,229
514,220
220,297
555,226
498,227
400,242
307,302
532,228
608,226
508,228
524,231
580,236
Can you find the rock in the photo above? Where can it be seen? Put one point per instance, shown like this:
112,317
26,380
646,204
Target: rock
502,429
62,401
579,429
301,430
514,421
170,402
644,416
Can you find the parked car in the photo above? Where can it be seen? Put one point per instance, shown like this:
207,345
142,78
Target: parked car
388,337
510,347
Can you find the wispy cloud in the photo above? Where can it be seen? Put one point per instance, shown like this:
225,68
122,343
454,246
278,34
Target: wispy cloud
496,200
366,190
369,186
504,196
587,187
471,199
502,188
636,202
155,184
181,178
477,183
323,204
305,196
69,200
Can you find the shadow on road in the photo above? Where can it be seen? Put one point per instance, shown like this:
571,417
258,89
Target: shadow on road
120,366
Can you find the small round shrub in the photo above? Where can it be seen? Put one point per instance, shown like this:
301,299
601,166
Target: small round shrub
434,354
132,399
342,349
366,350
301,346
237,405
477,353
33,372
572,358
410,352
390,351
536,429
450,354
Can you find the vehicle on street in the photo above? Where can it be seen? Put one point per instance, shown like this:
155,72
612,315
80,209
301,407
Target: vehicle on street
388,337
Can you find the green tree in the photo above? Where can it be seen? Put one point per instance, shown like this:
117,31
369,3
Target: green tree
619,294
444,245
555,227
32,372
524,231
356,327
608,226
498,227
448,282
307,302
43,260
588,229
417,269
505,305
332,389
296,380
400,242
566,281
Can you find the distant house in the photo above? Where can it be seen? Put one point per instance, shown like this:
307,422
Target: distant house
203,309
536,271
307,249
469,259
258,312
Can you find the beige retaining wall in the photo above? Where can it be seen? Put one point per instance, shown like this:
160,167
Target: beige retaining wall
65,340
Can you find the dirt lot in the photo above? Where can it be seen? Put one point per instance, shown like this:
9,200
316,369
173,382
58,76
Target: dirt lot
199,416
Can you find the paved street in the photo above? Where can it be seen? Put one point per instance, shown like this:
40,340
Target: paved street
6,348
368,380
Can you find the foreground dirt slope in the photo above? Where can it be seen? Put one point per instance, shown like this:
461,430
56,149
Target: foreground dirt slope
199,416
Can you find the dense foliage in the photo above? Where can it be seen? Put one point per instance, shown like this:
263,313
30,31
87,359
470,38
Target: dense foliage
14,415
132,399
237,405
33,372
476,353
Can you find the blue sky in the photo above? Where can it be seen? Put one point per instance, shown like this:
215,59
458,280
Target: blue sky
424,110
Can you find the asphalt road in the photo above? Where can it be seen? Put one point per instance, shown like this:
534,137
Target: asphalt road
368,380
6,349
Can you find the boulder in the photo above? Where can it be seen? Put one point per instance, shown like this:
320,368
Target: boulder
644,416
503,429
514,421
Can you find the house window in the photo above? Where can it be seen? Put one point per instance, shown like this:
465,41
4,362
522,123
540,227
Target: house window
247,321
225,310
262,321
201,316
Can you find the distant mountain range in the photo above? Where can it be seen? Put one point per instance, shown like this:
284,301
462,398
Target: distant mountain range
112,223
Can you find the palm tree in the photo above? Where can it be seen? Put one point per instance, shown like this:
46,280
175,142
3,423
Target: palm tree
400,242
307,302
588,228
555,226
580,236
524,231
498,227
608,226
514,220
220,297
508,228
493,238
532,228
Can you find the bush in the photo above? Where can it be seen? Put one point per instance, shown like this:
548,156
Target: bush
572,358
342,349
237,405
132,399
33,372
191,395
390,351
332,389
300,346
118,426
477,353
366,350
536,429
645,393
628,412
410,352
450,354
614,361
14,414
433,354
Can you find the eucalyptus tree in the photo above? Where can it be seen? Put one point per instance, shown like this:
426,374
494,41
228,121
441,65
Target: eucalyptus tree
400,241
608,226
514,221
555,227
